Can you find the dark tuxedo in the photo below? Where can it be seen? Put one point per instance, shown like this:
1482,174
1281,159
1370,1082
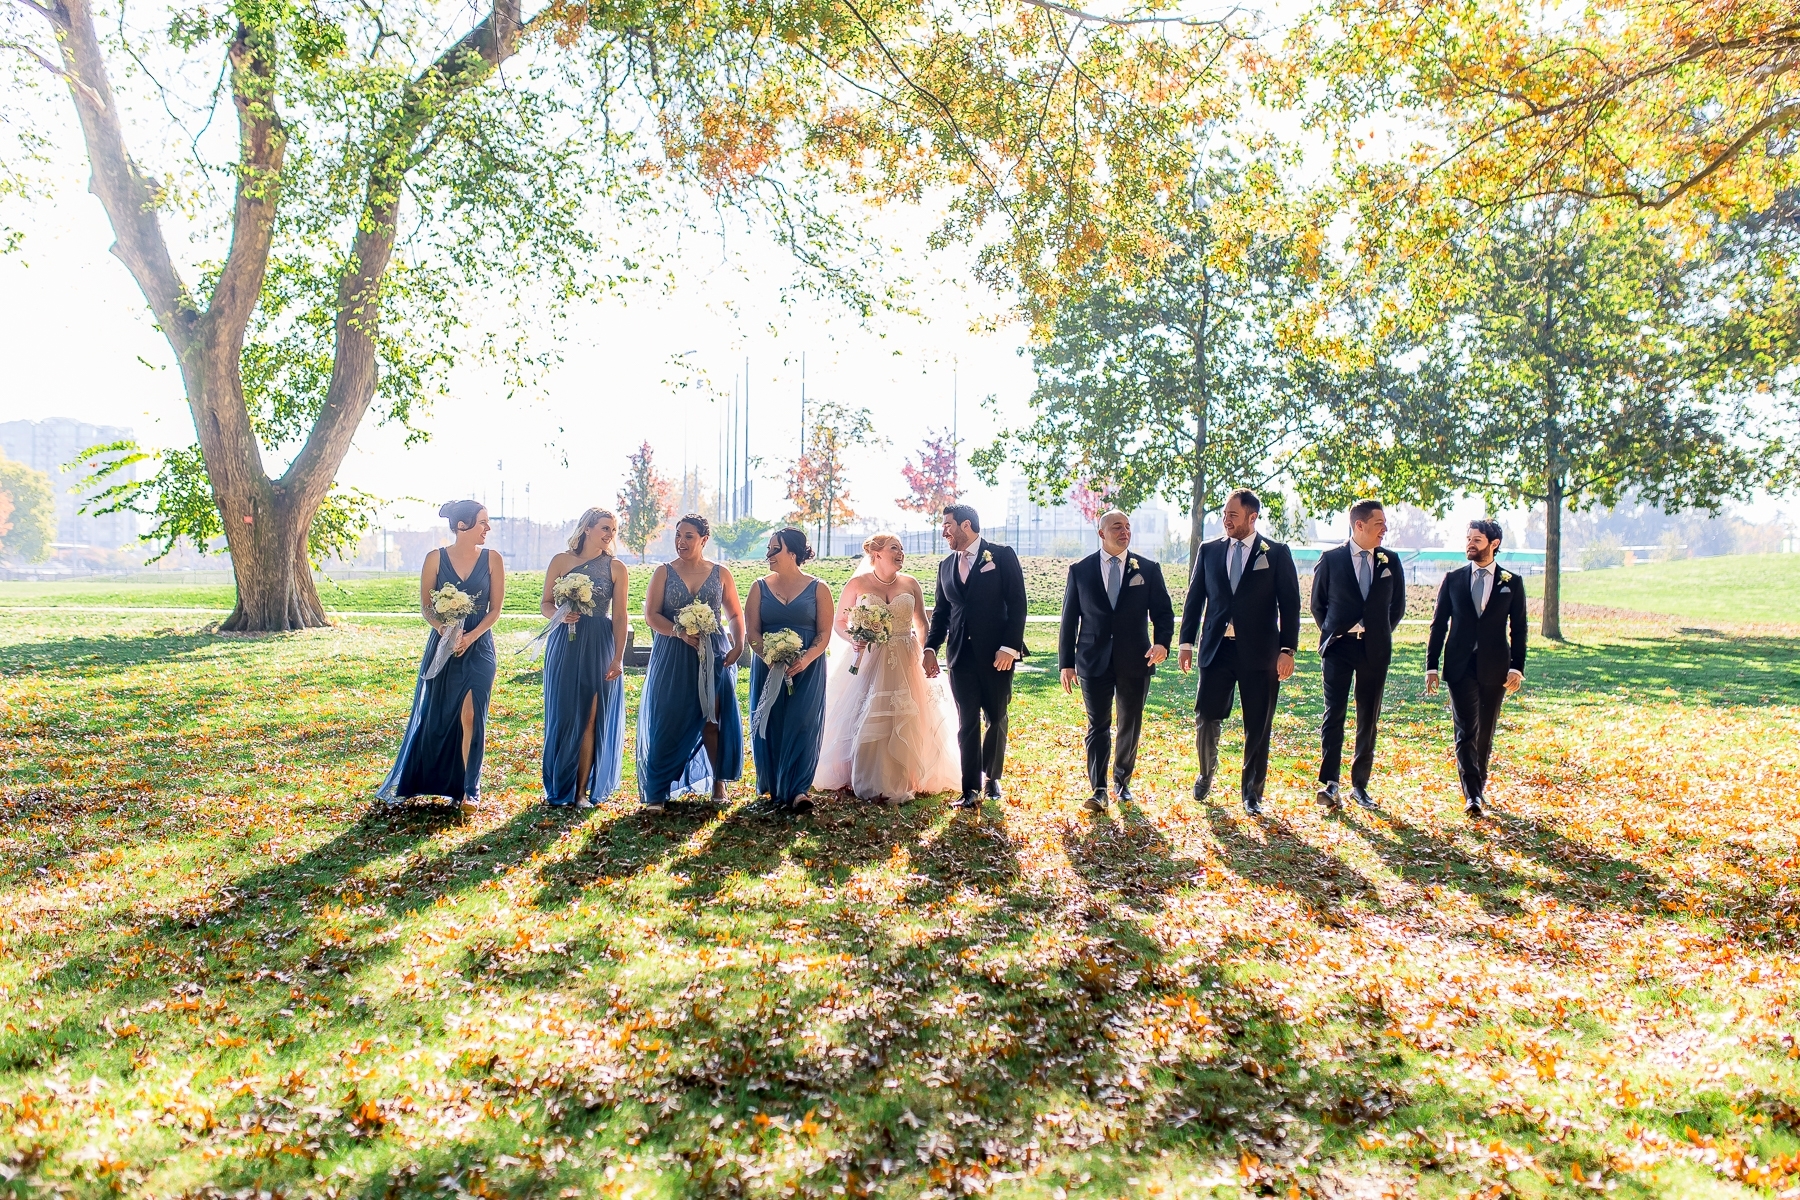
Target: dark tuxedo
1263,616
1477,650
973,619
1356,642
1105,642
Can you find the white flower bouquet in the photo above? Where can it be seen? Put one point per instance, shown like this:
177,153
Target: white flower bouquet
455,606
782,648
575,593
870,623
697,619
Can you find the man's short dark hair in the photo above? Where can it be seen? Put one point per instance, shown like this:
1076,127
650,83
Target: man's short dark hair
963,512
1245,498
1486,528
1362,510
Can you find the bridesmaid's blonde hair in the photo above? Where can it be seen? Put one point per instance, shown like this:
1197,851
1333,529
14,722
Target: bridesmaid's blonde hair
877,542
589,519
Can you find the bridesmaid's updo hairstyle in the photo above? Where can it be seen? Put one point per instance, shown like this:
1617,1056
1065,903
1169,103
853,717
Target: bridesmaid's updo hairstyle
701,525
877,542
589,519
795,541
461,514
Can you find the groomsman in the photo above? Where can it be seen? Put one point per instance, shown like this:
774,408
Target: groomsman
1111,602
979,617
1244,602
1358,598
1478,632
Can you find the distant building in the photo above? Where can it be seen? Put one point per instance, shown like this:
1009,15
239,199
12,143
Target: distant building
49,446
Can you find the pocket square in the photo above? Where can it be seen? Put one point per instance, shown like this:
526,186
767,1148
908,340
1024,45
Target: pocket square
1502,591
1385,574
1136,582
988,567
1262,564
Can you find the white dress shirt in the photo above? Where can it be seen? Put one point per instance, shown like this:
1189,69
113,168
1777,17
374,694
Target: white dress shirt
1249,547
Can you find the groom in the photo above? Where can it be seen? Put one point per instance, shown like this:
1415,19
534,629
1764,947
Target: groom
979,615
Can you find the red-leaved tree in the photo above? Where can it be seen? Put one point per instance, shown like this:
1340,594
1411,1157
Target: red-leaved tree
931,484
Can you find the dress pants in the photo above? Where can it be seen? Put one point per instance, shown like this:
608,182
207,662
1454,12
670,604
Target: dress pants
1475,709
1260,689
980,691
1345,675
1099,695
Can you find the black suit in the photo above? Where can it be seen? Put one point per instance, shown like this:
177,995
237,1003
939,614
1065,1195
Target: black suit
1477,651
1263,614
1356,642
1104,643
973,619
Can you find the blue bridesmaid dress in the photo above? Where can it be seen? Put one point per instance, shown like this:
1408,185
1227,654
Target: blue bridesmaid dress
575,685
787,754
431,760
671,757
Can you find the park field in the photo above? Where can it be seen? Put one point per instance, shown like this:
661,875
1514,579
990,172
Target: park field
224,972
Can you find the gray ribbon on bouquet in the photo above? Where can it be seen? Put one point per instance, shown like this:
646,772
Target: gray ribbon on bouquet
707,699
445,647
536,644
772,687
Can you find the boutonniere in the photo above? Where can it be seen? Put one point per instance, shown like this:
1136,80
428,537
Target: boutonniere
987,556
1505,578
1381,559
1263,547
1133,564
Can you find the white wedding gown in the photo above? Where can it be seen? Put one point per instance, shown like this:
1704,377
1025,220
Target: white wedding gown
890,733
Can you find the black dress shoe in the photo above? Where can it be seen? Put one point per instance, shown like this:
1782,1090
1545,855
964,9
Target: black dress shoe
992,790
968,800
1473,809
1328,796
1202,786
1253,805
1363,798
1096,803
1125,796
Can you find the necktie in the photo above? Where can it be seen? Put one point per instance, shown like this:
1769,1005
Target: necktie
1112,580
1364,574
1237,562
1480,590
965,560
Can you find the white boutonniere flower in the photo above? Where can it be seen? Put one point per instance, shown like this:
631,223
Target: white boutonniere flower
1505,578
987,556
1134,565
1263,546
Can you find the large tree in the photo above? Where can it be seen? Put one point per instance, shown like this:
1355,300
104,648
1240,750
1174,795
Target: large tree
819,481
1179,385
1568,357
383,164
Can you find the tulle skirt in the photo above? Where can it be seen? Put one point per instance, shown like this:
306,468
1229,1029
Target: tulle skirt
890,733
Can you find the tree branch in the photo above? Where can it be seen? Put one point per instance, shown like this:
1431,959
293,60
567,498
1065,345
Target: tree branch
262,146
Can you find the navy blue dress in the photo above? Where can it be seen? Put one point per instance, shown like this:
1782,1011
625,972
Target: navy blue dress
431,759
788,754
575,684
671,758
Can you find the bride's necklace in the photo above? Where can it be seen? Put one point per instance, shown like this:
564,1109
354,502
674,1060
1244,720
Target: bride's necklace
884,582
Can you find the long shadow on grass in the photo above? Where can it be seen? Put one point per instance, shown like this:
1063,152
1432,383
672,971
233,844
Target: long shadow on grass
1716,669
73,656
1282,859
1129,856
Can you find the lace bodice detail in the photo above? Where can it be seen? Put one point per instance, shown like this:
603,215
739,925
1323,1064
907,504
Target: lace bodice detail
600,571
677,597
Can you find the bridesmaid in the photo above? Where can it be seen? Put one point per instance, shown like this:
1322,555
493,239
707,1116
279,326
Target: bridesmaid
584,685
689,731
441,752
787,753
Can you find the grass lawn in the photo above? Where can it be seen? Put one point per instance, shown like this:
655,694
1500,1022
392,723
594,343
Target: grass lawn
221,970
1738,587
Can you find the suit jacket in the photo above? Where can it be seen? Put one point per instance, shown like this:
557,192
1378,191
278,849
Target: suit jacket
977,617
1264,612
1490,644
1099,639
1338,605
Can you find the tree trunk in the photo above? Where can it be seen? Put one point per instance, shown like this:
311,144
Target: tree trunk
1553,506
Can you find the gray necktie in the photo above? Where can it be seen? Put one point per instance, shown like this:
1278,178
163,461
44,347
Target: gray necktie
1112,580
1236,568
1479,590
1364,573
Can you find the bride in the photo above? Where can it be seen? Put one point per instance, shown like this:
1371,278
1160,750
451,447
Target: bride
890,733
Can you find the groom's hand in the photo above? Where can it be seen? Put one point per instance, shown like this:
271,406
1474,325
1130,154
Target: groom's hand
1185,660
1156,654
931,667
1003,660
1068,679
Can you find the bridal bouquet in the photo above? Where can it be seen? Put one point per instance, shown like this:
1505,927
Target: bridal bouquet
574,592
871,623
697,619
455,606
